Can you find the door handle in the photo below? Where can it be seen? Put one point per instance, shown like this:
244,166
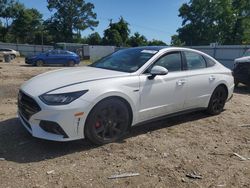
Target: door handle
212,78
181,82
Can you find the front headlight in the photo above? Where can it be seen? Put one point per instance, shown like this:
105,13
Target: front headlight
61,98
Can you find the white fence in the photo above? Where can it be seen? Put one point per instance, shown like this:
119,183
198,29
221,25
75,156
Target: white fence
224,54
27,49
97,52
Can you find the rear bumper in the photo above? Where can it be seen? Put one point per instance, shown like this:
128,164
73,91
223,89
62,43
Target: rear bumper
230,98
230,93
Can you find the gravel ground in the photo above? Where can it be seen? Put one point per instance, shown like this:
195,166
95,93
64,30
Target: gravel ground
163,152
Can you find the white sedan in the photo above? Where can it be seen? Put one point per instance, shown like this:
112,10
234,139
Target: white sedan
101,101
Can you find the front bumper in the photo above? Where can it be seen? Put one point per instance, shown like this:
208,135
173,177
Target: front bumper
71,125
29,61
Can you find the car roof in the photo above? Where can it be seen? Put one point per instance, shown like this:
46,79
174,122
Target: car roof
155,48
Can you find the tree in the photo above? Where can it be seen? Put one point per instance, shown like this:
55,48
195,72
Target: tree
27,25
117,33
94,39
9,10
175,41
138,40
112,37
156,43
71,16
207,21
242,23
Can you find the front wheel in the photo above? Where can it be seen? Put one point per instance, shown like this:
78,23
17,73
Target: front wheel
217,101
107,122
39,63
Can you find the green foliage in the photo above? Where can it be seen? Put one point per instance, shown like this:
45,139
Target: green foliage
207,21
156,43
175,41
94,39
70,16
137,40
117,33
31,19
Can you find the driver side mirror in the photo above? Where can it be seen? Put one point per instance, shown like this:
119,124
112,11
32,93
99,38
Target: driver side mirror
157,70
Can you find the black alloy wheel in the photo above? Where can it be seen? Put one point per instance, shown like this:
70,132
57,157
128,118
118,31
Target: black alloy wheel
217,101
107,122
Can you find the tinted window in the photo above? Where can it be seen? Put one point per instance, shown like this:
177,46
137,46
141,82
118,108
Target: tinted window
247,53
194,61
5,50
209,61
54,51
128,60
172,62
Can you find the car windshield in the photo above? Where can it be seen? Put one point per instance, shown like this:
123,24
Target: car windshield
127,60
247,53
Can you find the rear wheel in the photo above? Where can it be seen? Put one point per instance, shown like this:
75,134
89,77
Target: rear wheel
71,63
217,101
107,122
39,63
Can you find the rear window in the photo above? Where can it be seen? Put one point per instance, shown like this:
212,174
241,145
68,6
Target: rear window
247,53
195,61
209,61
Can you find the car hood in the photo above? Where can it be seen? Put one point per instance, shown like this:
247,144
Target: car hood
52,80
242,59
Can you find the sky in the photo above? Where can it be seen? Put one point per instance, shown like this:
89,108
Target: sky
155,19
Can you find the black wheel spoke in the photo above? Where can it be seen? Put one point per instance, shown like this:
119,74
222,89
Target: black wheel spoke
217,101
100,130
116,130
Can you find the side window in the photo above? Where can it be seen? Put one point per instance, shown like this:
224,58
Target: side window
195,61
171,61
54,52
209,61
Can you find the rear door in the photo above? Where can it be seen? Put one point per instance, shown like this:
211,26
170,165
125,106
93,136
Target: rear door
201,80
164,94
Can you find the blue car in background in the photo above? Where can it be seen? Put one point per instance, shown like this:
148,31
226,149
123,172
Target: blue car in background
54,57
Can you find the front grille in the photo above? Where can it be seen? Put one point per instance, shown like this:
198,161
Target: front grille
27,106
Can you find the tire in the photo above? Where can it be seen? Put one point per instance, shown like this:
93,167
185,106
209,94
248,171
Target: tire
13,56
217,101
107,122
39,63
71,63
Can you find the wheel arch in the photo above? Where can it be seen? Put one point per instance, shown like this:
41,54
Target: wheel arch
224,86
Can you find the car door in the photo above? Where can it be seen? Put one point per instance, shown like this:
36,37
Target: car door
164,94
200,80
52,57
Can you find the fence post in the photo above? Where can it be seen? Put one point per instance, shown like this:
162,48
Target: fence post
214,52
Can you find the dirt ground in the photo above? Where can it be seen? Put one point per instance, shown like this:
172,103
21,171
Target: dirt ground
163,152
